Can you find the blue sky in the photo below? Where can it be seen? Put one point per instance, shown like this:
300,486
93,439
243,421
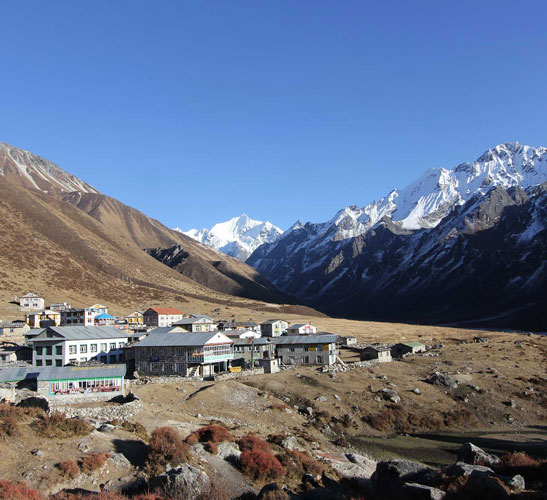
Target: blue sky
198,111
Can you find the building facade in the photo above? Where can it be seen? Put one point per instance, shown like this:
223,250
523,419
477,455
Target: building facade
32,301
184,354
403,348
42,319
161,316
135,318
82,317
376,353
14,329
60,346
274,327
248,351
200,324
306,349
302,329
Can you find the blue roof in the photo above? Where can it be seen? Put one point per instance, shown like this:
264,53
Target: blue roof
105,316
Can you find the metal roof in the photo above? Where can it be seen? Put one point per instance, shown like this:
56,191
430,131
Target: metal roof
305,339
180,339
300,325
105,316
17,373
191,321
412,344
71,372
253,341
82,333
271,321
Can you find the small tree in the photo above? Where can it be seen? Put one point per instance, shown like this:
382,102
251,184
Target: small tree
166,447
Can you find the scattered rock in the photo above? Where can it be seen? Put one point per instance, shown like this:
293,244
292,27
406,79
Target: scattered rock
396,472
228,451
322,398
37,453
471,454
187,478
420,491
335,396
309,411
463,469
391,395
83,447
416,391
442,379
516,483
486,486
290,443
119,460
106,428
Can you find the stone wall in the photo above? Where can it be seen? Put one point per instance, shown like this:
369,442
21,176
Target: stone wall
244,373
124,411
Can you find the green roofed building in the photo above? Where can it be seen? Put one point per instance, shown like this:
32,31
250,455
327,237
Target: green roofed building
399,350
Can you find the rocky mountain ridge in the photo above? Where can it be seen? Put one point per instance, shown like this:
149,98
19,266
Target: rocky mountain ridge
465,245
238,237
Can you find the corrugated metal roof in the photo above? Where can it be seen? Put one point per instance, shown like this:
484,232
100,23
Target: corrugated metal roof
300,325
253,341
305,339
72,372
83,333
180,339
15,374
271,321
412,344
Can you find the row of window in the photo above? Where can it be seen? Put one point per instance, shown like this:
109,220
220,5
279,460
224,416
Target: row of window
162,367
48,350
49,362
73,349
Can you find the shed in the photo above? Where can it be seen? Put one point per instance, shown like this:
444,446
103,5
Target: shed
403,348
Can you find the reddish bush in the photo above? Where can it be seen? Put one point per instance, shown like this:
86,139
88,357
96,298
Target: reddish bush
57,425
10,411
252,442
299,463
261,465
518,459
166,447
18,491
210,434
68,468
93,462
211,448
530,468
278,406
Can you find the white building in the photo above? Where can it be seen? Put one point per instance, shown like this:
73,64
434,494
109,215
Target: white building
161,316
32,301
302,329
82,317
63,345
197,324
274,327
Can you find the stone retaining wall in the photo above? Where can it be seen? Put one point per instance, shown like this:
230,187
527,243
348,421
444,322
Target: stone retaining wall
244,373
123,411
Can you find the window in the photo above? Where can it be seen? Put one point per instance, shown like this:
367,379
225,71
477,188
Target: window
291,348
38,362
49,350
83,360
121,344
104,347
112,345
168,367
180,351
72,360
59,350
83,348
155,352
307,360
38,350
58,362
93,348
72,349
49,362
319,360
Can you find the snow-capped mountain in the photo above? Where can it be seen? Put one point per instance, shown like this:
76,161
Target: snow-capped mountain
238,237
350,264
30,170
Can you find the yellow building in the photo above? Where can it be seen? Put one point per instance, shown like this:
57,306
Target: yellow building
41,319
135,318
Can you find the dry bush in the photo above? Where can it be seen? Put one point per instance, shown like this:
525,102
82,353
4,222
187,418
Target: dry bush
57,425
278,406
105,495
298,463
166,447
531,469
93,462
210,434
18,491
251,442
68,468
10,411
211,448
136,428
518,459
9,427
260,465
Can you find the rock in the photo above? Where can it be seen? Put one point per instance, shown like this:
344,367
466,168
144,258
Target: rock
119,460
268,490
290,443
417,491
471,454
308,478
126,484
106,428
366,465
37,453
484,485
463,469
322,493
391,395
83,447
516,483
322,398
442,379
228,451
192,481
335,396
416,391
396,472
309,411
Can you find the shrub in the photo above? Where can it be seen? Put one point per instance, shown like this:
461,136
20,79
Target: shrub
10,411
210,434
252,442
211,448
278,406
68,468
530,468
299,463
518,459
18,491
261,465
57,425
166,447
93,462
136,428
9,427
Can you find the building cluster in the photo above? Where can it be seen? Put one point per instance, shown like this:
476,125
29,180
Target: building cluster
86,351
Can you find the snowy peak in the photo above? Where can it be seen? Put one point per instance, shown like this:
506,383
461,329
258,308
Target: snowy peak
238,237
30,170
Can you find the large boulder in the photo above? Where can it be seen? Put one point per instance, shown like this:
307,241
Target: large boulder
394,473
483,485
391,395
185,479
463,469
415,491
443,380
471,454
228,451
290,443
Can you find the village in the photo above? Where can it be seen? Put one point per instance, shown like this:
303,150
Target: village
62,351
